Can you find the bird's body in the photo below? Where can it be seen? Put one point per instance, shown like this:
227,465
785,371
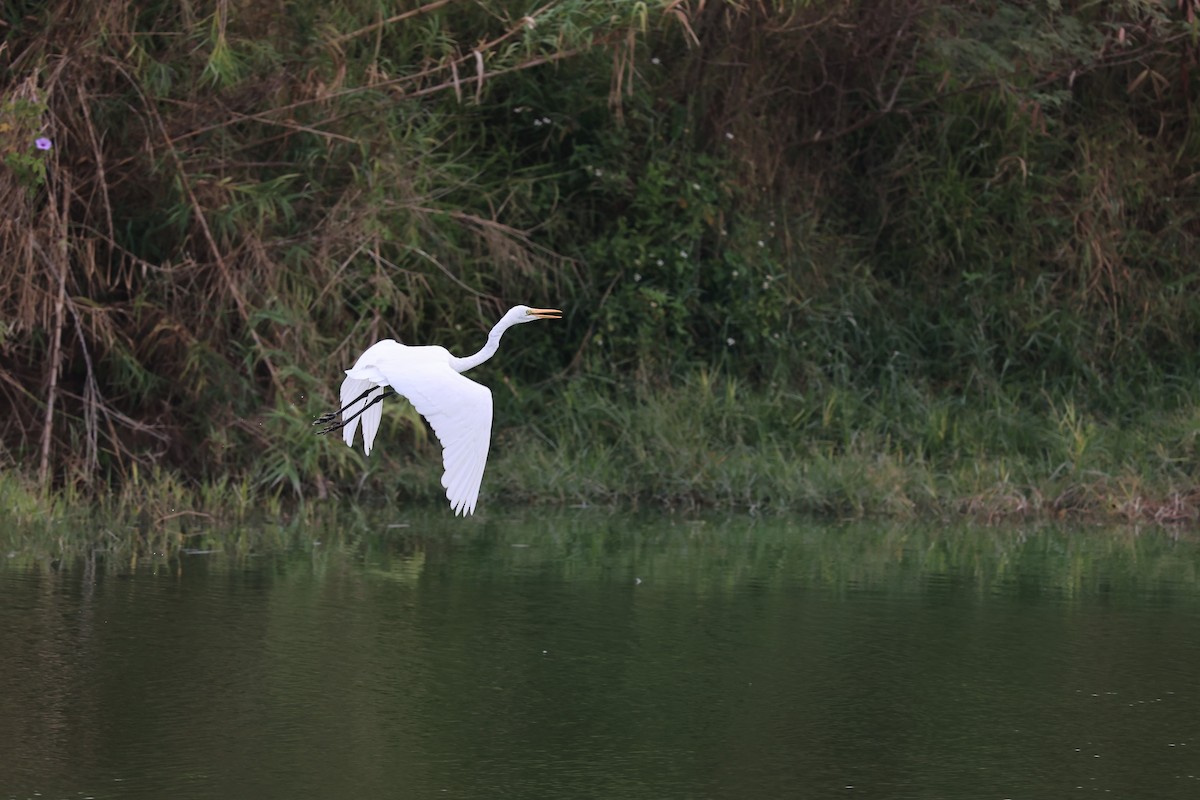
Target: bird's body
457,408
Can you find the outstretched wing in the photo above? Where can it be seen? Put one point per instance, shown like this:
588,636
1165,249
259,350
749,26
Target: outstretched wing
460,412
361,377
457,408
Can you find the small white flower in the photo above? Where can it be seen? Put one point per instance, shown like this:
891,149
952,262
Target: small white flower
599,172
655,60
696,186
728,135
771,223
659,262
537,123
735,273
545,120
766,284
760,243
683,253
729,342
637,276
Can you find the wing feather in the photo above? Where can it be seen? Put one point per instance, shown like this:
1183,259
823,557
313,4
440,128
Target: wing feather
352,388
460,412
358,379
370,421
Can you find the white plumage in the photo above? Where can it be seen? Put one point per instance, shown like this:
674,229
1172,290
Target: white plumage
457,408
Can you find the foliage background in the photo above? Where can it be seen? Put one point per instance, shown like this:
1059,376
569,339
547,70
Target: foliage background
840,255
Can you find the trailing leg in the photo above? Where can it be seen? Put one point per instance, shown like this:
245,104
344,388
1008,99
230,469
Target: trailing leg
329,418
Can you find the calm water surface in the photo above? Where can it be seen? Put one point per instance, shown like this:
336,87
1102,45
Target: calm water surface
589,655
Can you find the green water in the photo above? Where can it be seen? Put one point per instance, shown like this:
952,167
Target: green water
589,655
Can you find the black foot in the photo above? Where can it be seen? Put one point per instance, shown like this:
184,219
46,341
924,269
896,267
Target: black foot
327,419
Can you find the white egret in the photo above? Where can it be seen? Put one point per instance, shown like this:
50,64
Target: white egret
457,408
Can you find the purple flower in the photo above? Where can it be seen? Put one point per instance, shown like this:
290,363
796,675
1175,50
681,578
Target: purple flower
42,143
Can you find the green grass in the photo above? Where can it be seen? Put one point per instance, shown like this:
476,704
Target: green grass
717,443
705,447
707,443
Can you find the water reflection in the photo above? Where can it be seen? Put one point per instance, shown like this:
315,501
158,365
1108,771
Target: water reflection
610,656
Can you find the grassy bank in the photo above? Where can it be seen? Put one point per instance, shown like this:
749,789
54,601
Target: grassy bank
716,443
707,443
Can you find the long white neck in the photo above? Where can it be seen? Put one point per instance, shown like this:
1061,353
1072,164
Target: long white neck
487,351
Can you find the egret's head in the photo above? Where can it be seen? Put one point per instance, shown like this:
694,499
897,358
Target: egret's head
527,314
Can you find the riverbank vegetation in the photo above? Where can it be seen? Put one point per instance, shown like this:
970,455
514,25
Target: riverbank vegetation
838,257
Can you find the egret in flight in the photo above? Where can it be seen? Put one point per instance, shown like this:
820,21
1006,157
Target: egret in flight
457,408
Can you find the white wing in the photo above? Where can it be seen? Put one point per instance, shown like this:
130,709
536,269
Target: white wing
457,408
352,388
370,421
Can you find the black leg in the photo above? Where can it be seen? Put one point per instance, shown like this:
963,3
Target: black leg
330,416
333,426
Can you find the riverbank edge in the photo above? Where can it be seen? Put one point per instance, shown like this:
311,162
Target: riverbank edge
705,445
